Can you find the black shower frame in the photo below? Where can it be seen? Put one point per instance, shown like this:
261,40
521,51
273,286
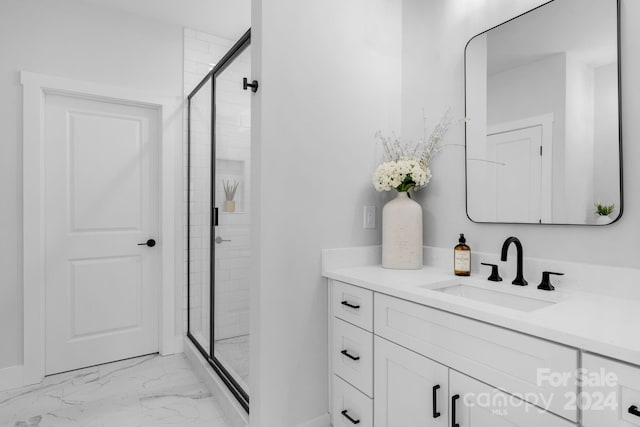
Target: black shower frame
238,392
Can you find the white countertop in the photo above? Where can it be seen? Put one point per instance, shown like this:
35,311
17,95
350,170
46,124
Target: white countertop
601,324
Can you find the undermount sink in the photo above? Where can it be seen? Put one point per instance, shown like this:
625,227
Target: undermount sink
497,297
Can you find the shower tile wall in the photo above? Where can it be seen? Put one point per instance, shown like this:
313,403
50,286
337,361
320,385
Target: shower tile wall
201,53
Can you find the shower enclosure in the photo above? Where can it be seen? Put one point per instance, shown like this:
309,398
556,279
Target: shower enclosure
218,219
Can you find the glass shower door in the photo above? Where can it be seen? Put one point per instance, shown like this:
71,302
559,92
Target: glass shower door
232,118
219,157
199,213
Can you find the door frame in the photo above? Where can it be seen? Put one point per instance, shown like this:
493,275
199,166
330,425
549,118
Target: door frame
35,86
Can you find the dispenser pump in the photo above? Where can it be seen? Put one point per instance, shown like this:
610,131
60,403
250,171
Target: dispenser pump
462,240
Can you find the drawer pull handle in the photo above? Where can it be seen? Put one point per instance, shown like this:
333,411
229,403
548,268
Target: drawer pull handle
436,414
453,410
355,307
633,410
346,415
346,353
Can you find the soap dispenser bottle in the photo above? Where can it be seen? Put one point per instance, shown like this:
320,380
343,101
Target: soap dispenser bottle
462,258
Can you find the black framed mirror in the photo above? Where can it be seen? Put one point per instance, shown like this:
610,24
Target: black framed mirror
543,131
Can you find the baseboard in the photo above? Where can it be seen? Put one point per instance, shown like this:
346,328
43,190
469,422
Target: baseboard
321,421
11,377
235,413
172,346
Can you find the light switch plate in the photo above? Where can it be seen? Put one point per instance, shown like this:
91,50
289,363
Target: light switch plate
369,217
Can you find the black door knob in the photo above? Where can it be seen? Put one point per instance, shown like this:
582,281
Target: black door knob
151,243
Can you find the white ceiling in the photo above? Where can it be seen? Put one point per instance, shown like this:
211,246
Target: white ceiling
225,18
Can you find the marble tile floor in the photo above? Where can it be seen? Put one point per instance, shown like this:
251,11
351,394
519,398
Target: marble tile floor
234,354
145,391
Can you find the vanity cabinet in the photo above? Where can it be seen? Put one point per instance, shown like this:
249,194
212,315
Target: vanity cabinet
610,393
397,363
351,355
413,390
506,359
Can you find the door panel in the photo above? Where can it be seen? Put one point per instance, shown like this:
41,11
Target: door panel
101,201
105,295
105,187
404,388
518,176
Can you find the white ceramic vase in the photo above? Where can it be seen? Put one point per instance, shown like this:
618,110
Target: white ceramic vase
402,234
603,219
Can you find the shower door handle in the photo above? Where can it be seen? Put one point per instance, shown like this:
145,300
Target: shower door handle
214,216
219,240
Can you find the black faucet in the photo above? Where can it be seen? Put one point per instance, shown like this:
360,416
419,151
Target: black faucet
519,280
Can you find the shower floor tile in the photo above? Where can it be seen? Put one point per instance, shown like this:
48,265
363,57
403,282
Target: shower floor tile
141,392
234,354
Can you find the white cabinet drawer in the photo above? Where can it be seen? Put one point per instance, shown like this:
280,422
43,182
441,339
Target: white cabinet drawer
349,406
511,361
352,355
475,404
610,393
353,304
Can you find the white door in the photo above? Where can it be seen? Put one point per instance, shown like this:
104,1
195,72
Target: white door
101,201
518,174
410,389
475,404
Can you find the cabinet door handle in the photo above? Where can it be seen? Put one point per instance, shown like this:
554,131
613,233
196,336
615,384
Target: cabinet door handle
346,415
633,410
346,353
453,410
436,414
355,307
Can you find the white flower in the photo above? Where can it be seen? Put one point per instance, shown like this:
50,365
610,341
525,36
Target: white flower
406,164
402,175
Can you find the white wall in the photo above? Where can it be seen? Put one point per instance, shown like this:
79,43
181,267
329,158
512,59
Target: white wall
606,184
329,76
435,34
70,39
579,142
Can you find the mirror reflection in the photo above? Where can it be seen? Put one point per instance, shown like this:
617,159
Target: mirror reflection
542,107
